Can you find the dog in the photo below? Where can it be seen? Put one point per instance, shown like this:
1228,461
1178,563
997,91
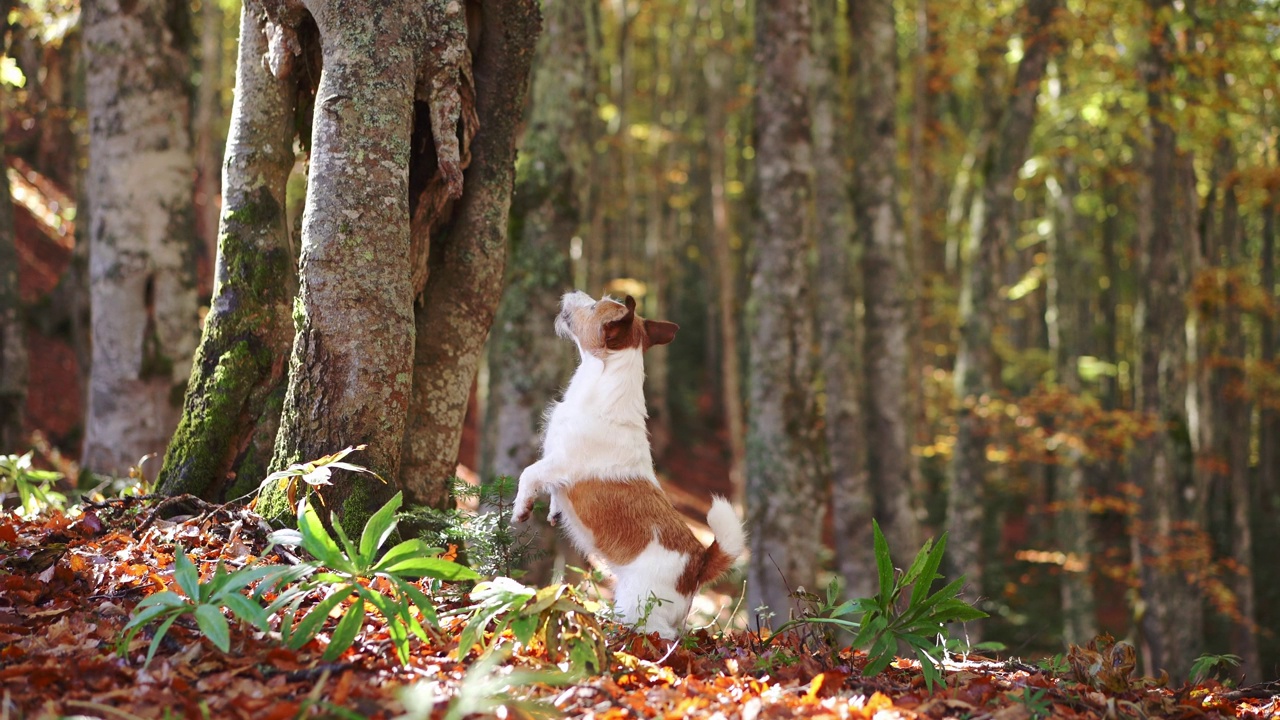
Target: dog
597,467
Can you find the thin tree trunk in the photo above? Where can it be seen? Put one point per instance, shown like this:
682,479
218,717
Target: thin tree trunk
722,251
784,492
1172,622
528,363
1267,488
839,333
468,255
1066,319
884,266
141,238
974,372
13,331
232,408
1238,411
206,126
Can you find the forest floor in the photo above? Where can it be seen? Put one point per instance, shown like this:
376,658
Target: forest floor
68,584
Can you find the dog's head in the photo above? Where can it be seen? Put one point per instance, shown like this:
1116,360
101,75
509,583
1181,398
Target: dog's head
604,326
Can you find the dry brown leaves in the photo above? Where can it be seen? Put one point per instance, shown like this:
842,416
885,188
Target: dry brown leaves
67,586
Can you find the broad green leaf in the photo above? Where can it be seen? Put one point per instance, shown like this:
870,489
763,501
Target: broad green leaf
167,598
431,567
352,552
146,616
420,600
316,539
524,626
247,610
214,626
929,572
884,565
917,565
345,633
411,548
242,578
379,527
155,640
184,571
310,625
215,584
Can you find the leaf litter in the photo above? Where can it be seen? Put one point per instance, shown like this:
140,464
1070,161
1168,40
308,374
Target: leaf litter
68,584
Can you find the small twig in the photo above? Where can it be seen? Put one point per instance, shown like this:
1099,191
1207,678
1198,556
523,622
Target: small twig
166,504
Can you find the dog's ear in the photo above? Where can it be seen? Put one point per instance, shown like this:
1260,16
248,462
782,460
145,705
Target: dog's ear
660,332
618,333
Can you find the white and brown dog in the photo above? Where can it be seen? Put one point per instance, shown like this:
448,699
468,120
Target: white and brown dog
597,467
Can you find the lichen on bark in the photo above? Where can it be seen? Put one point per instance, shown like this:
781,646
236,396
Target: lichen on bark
240,365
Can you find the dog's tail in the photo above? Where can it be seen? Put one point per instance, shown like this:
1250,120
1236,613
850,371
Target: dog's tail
730,541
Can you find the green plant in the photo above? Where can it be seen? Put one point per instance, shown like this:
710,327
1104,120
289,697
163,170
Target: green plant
1207,666
883,621
203,600
1056,665
34,487
494,545
380,580
557,616
484,689
315,473
1035,701
923,619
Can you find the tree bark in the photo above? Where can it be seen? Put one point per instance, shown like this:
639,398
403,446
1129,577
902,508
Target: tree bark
13,331
528,363
839,332
722,242
351,363
232,408
884,265
1066,319
468,255
1172,622
141,238
783,489
975,360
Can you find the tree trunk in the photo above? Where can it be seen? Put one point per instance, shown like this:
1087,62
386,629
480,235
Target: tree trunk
350,368
783,489
1172,622
975,361
207,125
722,242
141,238
232,408
13,331
1067,319
884,265
1238,418
468,254
1267,488
839,333
528,363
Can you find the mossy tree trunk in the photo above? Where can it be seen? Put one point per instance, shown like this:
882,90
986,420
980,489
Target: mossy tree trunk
390,217
784,488
465,243
142,244
528,363
224,441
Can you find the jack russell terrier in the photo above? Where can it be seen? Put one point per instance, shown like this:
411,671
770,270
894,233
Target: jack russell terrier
597,467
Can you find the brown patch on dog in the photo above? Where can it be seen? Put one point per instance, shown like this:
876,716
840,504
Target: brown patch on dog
624,516
612,325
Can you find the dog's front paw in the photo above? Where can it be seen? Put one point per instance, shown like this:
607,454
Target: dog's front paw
523,507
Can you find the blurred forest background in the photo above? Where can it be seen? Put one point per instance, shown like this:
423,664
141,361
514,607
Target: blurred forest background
1004,269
